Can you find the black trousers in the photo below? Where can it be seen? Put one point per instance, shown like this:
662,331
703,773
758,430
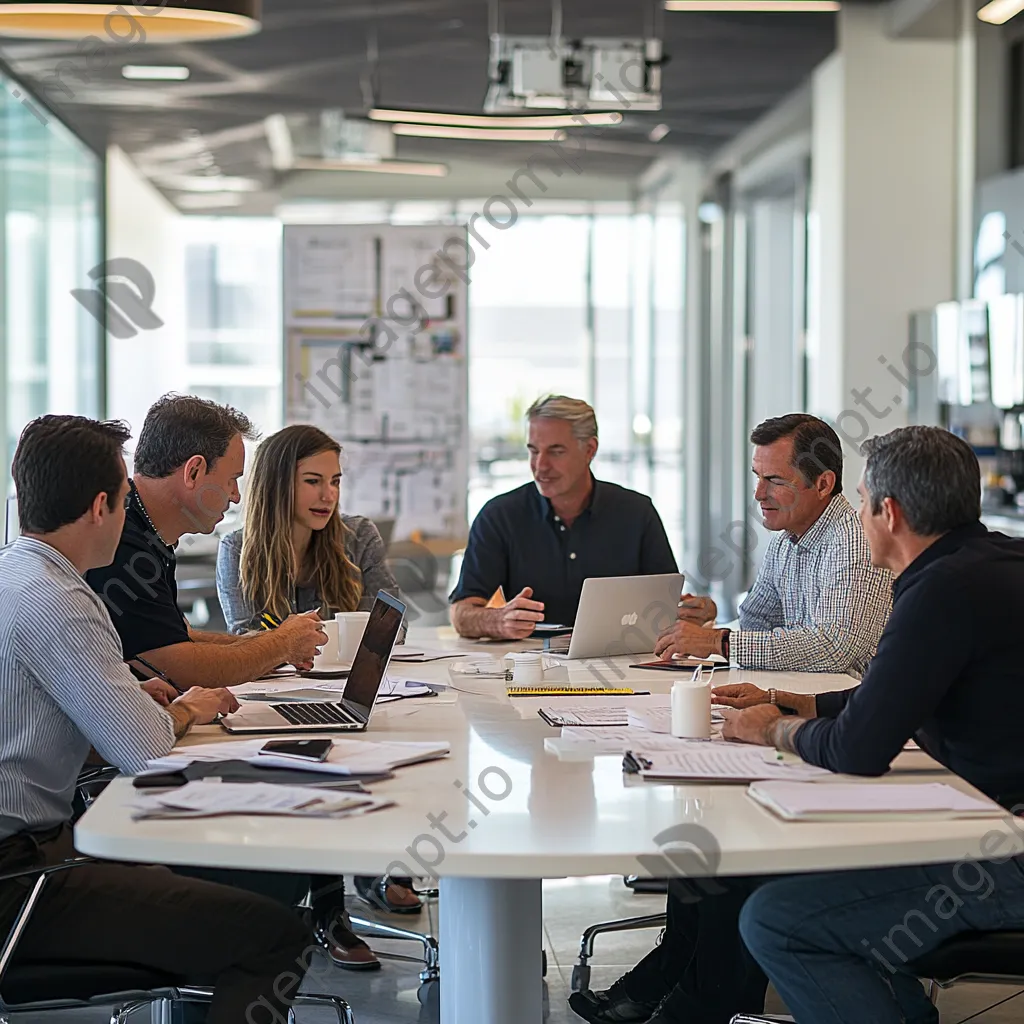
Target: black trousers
250,949
702,964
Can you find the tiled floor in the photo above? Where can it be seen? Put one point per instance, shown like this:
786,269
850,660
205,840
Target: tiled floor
390,995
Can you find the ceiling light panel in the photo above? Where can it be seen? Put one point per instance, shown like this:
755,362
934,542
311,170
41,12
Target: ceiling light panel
437,131
178,20
596,119
999,12
155,72
749,6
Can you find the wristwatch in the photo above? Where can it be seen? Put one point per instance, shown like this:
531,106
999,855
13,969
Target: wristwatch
725,643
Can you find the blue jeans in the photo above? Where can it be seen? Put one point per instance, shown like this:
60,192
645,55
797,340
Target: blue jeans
836,946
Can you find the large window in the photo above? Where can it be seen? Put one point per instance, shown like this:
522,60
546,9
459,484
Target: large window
233,289
50,188
589,306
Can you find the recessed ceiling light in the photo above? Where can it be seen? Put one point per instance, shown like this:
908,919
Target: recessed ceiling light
496,120
746,6
439,131
378,167
155,72
190,20
658,132
999,12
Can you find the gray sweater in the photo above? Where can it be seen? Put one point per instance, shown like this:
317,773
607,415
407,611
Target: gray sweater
363,545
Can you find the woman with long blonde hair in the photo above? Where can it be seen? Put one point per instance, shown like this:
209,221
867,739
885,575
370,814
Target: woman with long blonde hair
298,553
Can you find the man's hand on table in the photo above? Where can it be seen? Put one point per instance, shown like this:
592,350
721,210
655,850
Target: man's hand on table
751,725
205,704
516,619
163,693
740,695
698,610
684,638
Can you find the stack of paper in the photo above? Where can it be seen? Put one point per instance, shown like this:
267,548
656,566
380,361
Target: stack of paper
659,719
870,801
211,798
347,757
577,742
721,762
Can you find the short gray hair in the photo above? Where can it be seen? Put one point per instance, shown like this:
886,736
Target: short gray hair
932,474
574,411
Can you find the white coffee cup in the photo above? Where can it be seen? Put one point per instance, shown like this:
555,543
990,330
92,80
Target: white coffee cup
350,626
691,709
328,654
527,668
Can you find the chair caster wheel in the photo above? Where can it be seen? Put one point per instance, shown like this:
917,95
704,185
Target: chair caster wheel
580,980
429,995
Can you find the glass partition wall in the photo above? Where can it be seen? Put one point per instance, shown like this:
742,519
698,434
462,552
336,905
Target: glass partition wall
51,205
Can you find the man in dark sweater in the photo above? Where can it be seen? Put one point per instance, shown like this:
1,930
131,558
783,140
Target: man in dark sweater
952,651
949,672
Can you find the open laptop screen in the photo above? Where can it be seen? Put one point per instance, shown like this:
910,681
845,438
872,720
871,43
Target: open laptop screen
371,660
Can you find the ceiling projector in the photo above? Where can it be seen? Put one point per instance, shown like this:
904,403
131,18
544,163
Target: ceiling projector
541,73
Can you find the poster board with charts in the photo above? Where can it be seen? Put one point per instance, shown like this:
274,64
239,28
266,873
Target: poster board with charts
375,322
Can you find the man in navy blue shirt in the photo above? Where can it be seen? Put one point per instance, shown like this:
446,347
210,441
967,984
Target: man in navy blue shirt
539,542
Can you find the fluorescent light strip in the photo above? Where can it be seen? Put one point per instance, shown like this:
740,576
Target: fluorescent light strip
999,12
437,131
382,167
497,120
155,72
748,6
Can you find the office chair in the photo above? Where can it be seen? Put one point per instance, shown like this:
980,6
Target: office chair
580,980
42,987
995,958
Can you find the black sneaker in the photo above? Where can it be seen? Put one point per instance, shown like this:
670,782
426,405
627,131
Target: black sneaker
610,1006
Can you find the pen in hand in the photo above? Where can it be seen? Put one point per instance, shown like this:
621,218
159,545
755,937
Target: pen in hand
160,675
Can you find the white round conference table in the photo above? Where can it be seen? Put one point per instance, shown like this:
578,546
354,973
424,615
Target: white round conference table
500,814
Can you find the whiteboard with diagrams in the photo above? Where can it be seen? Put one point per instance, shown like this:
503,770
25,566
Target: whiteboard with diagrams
375,321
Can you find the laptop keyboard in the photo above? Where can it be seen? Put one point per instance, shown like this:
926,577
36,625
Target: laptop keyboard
315,714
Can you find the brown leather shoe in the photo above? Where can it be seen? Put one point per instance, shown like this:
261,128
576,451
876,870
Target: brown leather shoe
346,949
389,895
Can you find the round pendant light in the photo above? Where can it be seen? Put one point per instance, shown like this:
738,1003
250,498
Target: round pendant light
161,21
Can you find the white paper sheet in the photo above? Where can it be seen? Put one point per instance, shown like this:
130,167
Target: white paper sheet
206,798
846,800
723,762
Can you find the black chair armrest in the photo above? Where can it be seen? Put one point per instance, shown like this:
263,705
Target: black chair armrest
21,921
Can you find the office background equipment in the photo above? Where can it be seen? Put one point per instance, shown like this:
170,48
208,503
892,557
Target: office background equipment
375,321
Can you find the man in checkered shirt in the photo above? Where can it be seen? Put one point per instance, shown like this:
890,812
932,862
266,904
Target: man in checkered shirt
817,605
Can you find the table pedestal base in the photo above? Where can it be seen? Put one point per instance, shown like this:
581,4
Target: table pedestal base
491,934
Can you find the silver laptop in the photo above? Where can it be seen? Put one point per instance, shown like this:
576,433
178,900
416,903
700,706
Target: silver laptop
621,615
351,711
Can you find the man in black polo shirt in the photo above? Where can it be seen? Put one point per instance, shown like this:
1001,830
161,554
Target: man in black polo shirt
542,540
188,461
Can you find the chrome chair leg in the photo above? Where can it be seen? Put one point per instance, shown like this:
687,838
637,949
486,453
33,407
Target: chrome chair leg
431,959
120,1014
581,969
340,1007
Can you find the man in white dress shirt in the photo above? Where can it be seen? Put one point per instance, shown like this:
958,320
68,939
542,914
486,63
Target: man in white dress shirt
65,688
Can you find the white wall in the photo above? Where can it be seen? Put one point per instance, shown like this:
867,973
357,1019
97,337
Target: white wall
884,204
143,226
